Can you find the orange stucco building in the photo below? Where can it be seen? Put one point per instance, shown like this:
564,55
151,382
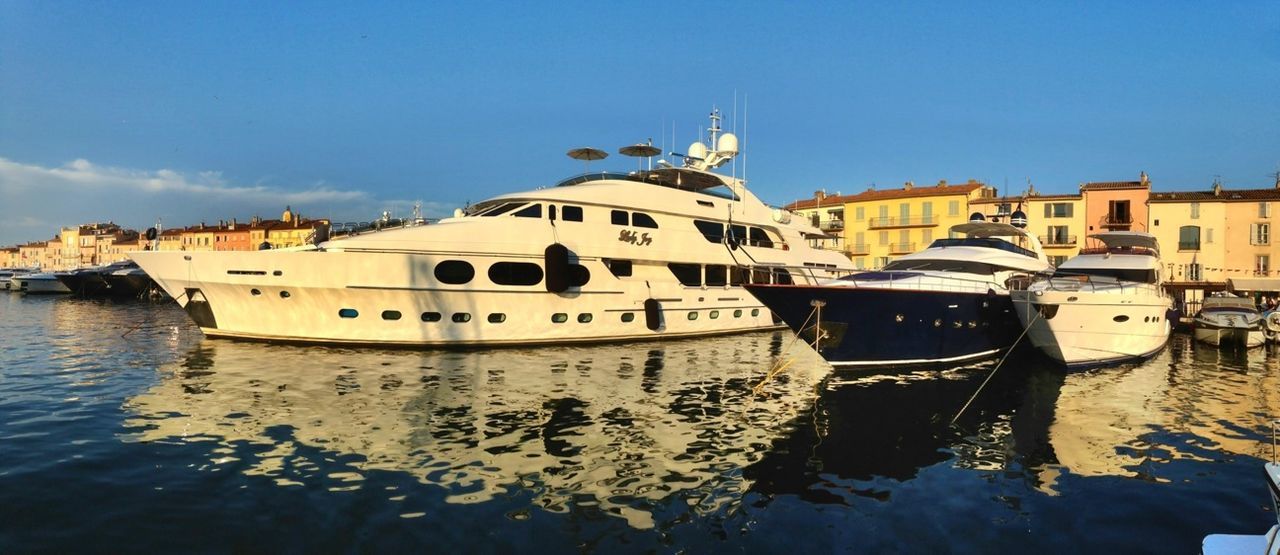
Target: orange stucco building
1116,205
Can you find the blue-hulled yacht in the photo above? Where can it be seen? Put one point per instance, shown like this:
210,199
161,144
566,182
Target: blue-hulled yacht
948,303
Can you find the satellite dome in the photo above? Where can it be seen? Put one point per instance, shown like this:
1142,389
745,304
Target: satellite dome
728,144
1018,219
698,150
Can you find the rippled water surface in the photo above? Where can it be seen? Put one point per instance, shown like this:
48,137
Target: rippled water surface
123,429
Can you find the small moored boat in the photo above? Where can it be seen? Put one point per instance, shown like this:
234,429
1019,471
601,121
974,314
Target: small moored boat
1229,322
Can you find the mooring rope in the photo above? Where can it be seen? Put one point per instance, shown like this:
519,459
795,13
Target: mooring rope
780,365
1025,329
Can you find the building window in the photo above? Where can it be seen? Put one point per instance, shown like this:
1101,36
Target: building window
814,219
1057,260
884,212
1264,209
953,208
860,213
1262,265
882,261
904,211
515,273
1260,234
1189,238
927,212
1058,235
1208,236
884,238
1118,212
1058,210
1195,272
1195,212
926,235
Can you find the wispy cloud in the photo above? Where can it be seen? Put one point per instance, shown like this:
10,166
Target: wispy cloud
80,191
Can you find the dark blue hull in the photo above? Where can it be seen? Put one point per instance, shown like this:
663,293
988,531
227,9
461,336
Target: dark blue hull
864,326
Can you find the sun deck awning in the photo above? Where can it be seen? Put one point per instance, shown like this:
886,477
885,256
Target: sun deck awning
1253,284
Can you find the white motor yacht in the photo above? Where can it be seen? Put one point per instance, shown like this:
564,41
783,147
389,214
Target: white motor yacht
1228,321
1106,305
38,283
653,253
1262,544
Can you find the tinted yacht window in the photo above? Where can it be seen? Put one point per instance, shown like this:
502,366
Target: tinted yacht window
640,219
571,213
713,231
455,272
618,217
515,273
687,274
532,211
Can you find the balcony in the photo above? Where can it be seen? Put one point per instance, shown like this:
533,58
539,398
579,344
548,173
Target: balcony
1188,246
859,249
919,221
832,225
1117,220
1058,240
902,248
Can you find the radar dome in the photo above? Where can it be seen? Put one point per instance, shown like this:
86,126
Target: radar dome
977,217
1018,219
698,150
728,144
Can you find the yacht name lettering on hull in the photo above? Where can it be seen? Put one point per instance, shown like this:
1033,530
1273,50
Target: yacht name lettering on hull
638,239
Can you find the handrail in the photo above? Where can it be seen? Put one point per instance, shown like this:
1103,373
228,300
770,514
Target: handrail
1057,240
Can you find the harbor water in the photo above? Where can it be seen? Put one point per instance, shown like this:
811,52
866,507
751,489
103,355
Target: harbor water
123,429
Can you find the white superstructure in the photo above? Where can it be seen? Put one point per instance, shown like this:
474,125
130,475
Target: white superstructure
1106,305
600,257
37,283
1229,321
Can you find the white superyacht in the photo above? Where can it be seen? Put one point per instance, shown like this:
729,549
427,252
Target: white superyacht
662,252
1106,305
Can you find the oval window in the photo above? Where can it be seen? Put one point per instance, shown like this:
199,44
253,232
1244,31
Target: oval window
628,316
559,317
348,313
255,292
455,272
391,315
515,273
284,294
714,314
1121,318
497,318
755,312
693,315
430,316
461,317
584,318
737,313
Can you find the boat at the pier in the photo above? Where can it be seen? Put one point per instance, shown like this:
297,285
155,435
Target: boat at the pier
948,303
1229,321
1105,305
659,252
38,283
6,277
101,281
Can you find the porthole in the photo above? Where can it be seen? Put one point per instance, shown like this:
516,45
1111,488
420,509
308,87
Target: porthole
937,323
515,273
755,312
693,315
461,317
391,315
737,313
455,272
255,292
559,317
628,316
898,318
430,316
348,313
284,294
497,318
714,314
277,273
584,318
1146,319
1121,318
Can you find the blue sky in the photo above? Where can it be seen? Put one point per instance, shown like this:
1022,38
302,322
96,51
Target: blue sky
187,111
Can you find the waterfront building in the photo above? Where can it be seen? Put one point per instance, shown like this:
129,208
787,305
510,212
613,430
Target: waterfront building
53,255
826,212
232,236
32,255
1058,220
198,238
1116,205
880,225
170,239
10,257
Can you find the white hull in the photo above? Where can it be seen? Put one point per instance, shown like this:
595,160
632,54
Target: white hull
38,284
1095,327
1238,337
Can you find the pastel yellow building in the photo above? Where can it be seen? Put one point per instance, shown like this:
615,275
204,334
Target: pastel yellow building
1057,220
198,238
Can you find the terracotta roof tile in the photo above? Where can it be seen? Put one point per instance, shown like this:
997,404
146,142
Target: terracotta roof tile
1224,195
1114,185
888,194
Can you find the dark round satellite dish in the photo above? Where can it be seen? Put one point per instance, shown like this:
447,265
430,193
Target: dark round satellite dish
640,151
977,217
588,154
151,234
1018,219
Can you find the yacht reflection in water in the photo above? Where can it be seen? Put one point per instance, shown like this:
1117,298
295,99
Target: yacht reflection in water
621,429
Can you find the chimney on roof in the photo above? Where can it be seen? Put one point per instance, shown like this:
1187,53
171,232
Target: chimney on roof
1217,188
1142,178
942,183
908,186
820,194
